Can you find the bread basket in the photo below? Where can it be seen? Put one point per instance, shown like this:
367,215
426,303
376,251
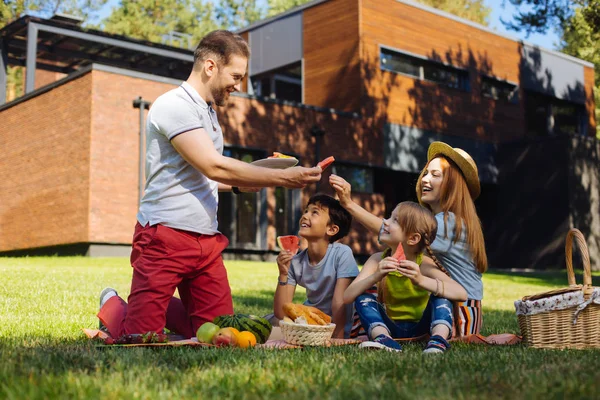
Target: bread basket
306,335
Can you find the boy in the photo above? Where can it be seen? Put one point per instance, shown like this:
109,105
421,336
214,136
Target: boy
325,268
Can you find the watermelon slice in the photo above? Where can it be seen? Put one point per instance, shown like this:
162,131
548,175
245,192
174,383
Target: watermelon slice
290,243
399,254
326,163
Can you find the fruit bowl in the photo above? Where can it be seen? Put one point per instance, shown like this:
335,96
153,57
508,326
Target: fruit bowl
306,335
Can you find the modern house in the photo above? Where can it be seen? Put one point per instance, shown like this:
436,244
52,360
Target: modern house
371,83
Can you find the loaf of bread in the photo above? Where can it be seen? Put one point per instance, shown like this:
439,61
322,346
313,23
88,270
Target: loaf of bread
312,315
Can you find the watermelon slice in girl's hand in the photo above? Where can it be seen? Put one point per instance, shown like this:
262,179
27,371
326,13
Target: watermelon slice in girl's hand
399,254
290,243
326,163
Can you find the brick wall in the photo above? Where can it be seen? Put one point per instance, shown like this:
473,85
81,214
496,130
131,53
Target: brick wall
45,168
246,122
43,78
114,153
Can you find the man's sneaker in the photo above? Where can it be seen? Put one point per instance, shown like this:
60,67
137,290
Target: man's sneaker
436,345
104,296
382,342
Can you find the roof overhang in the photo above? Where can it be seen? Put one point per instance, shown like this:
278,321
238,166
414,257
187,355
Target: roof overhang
59,46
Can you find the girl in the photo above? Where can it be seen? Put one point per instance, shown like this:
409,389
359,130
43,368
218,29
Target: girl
403,307
448,186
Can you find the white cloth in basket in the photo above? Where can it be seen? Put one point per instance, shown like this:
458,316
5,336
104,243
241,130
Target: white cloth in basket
557,302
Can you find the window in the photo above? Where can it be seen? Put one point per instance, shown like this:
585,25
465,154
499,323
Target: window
569,118
283,83
361,178
422,68
547,115
498,89
238,215
283,215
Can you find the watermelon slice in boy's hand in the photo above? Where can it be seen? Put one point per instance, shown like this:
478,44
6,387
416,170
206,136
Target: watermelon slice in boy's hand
399,254
326,163
290,243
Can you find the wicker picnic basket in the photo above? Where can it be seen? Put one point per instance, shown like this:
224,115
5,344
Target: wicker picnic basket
306,335
567,317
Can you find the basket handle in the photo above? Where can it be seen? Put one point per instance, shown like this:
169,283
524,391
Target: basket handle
585,256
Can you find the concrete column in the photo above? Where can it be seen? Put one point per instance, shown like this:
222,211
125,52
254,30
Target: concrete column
32,35
3,72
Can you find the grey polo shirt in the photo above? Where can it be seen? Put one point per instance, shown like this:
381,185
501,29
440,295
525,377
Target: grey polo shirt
320,280
177,195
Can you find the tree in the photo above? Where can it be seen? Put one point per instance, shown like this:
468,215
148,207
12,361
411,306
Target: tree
537,16
473,10
235,14
154,20
11,10
278,6
580,40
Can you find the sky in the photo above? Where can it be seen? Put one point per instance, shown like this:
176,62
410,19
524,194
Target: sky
548,41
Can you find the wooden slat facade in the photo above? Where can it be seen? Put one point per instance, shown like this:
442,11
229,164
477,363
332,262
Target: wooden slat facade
246,36
331,56
589,100
342,40
429,105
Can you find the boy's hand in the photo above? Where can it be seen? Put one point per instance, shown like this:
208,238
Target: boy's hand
283,263
387,265
342,188
411,270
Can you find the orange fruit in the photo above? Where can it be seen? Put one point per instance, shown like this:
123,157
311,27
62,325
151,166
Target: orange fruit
236,334
246,339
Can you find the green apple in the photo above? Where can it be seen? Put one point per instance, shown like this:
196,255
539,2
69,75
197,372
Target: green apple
206,332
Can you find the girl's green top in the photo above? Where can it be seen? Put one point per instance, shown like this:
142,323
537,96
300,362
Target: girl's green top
403,301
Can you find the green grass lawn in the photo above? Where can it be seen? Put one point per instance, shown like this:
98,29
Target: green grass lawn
44,303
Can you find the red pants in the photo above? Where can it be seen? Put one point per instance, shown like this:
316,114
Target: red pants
164,259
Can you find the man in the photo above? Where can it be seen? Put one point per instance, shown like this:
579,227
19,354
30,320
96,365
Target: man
176,243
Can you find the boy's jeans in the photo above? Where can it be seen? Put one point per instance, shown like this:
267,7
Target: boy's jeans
372,314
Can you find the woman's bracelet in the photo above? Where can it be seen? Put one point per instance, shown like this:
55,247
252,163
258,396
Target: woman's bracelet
437,287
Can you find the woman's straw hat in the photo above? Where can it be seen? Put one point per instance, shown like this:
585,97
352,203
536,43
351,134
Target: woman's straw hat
464,162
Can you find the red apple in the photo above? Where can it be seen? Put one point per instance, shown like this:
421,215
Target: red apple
225,337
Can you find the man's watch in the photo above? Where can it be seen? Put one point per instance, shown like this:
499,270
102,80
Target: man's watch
236,190
282,283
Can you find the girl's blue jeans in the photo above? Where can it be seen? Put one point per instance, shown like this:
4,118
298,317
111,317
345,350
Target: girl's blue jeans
372,314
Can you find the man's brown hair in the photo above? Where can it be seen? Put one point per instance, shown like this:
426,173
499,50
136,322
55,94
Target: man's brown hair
221,45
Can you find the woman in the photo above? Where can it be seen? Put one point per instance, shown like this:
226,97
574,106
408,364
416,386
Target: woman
448,186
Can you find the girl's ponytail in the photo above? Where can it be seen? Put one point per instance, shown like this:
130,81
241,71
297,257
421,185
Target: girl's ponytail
433,257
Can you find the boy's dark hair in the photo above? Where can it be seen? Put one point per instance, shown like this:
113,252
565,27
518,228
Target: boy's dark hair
221,45
338,215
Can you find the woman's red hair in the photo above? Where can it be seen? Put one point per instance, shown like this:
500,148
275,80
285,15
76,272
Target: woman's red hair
455,197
